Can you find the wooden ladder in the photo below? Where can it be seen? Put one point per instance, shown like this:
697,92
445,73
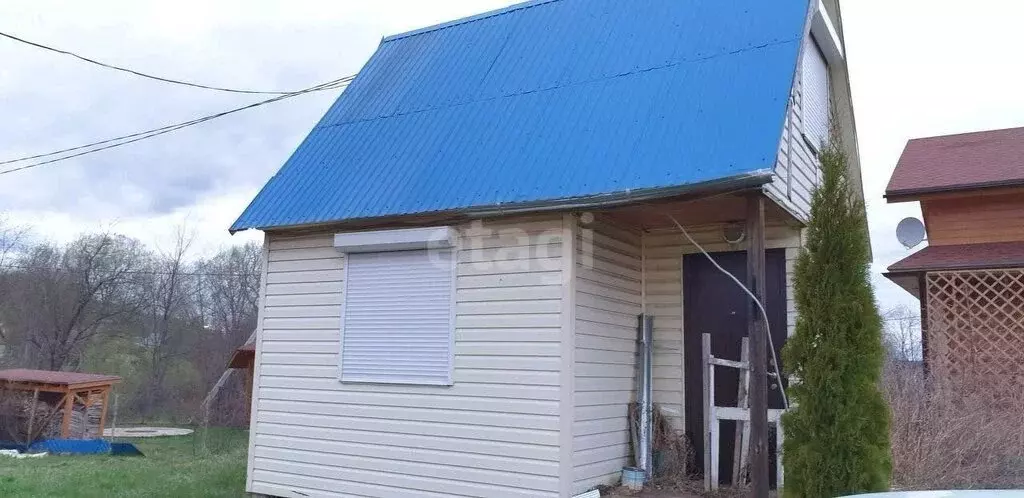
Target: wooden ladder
713,415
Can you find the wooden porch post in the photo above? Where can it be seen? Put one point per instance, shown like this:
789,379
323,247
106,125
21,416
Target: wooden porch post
248,390
103,412
758,349
69,404
32,416
922,293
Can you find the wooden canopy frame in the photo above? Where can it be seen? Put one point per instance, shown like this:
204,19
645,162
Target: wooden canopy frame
76,388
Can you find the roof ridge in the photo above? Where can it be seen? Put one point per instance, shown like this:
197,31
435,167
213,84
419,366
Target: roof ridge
967,133
476,17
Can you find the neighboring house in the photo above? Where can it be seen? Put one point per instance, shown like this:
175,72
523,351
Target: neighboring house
970,277
458,252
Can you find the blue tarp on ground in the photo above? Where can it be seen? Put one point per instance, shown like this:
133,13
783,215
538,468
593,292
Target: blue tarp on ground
71,446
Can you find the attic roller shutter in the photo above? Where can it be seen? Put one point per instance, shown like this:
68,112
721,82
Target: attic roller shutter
397,323
815,94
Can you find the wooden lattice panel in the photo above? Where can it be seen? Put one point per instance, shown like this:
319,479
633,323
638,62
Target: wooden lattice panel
975,324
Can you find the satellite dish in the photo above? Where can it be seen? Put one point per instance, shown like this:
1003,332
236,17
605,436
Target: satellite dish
910,232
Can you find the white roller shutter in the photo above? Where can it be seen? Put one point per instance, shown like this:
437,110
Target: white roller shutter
398,317
815,94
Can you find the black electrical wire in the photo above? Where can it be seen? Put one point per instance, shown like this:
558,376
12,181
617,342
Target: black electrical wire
143,135
140,73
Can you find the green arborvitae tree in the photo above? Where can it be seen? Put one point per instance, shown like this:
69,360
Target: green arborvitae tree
837,432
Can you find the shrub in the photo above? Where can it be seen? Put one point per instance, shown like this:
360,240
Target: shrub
837,432
954,435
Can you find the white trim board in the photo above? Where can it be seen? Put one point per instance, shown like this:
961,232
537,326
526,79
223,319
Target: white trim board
824,31
396,240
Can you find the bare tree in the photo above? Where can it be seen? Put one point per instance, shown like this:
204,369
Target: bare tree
164,320
12,239
66,294
231,282
170,309
232,279
902,333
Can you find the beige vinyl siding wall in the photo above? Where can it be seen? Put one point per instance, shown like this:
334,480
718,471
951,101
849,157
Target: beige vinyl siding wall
797,173
607,305
494,433
663,274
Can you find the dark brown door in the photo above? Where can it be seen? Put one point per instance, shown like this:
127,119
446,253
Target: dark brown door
714,304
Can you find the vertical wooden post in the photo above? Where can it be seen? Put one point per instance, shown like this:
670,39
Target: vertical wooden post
88,403
32,416
756,330
740,447
779,438
248,390
922,293
709,400
103,412
69,405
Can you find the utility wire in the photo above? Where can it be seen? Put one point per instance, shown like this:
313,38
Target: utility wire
142,135
139,73
764,313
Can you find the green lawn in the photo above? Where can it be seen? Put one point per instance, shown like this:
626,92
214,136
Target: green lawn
172,467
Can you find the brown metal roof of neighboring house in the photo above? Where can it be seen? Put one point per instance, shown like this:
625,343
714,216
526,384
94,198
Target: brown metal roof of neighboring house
959,162
963,257
55,378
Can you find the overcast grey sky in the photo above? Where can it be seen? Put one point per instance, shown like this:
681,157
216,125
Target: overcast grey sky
918,68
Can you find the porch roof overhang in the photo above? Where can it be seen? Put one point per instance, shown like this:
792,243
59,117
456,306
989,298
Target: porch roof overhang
745,182
243,357
48,380
996,255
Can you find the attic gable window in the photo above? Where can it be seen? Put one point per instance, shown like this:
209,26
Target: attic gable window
398,311
816,91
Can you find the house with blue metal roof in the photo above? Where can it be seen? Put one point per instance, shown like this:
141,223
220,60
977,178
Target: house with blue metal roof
458,253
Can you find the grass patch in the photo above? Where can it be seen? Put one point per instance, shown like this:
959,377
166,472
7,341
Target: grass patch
172,467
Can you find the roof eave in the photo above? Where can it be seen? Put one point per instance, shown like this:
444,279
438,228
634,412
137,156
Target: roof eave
905,280
914,194
977,266
752,179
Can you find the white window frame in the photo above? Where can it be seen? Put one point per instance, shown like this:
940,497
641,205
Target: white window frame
413,239
825,36
806,132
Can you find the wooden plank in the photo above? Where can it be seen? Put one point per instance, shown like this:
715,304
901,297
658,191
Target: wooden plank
739,456
734,413
756,330
65,425
779,474
32,417
103,413
742,365
716,427
708,390
88,403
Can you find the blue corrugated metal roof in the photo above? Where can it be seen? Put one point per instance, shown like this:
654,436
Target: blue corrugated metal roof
545,102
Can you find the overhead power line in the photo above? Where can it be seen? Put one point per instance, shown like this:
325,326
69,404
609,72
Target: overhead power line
110,143
140,73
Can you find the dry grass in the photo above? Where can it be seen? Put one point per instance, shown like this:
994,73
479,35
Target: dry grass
951,436
969,435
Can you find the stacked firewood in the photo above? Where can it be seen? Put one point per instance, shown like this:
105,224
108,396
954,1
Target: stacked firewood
85,421
16,408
